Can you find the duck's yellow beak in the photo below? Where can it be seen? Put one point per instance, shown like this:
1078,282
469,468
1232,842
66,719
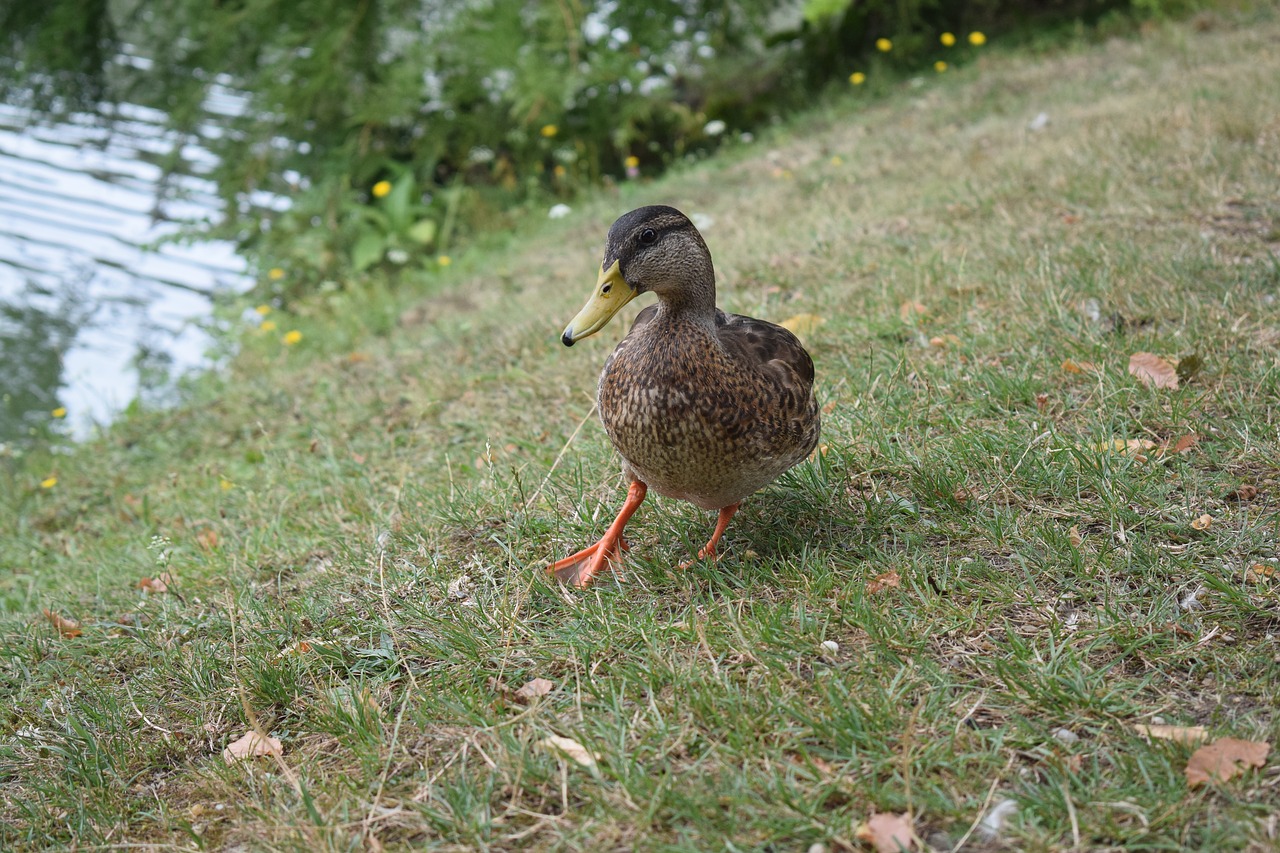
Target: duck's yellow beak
612,292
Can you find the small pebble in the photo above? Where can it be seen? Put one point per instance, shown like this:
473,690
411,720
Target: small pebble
1065,736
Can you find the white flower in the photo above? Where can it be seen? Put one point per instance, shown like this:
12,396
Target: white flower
715,127
398,256
559,211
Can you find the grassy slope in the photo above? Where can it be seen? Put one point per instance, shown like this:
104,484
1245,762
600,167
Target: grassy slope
394,496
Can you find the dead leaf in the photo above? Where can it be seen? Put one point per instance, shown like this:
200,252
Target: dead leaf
887,833
535,688
1177,734
883,581
1153,371
1222,759
802,324
1203,522
1182,445
251,745
160,583
1259,573
571,749
1073,366
910,311
68,628
1243,493
1133,447
944,341
1042,401
1074,537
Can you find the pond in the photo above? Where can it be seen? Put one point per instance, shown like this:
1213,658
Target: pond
97,307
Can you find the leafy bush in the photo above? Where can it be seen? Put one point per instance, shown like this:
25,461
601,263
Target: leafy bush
517,102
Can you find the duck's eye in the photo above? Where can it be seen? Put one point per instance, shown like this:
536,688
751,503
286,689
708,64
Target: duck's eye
648,237
606,288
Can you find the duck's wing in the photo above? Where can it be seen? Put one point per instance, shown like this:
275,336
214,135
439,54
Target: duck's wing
767,347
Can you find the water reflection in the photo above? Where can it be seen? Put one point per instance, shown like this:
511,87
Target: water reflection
89,290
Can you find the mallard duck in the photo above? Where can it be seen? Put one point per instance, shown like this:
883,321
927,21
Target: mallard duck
703,406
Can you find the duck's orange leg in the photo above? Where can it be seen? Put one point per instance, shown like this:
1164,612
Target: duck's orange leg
580,568
709,550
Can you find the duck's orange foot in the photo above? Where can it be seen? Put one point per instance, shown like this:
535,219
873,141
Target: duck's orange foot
709,550
580,568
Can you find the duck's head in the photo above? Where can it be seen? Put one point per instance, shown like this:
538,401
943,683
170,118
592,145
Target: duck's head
653,248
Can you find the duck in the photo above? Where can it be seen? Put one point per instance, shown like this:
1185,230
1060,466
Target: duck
702,405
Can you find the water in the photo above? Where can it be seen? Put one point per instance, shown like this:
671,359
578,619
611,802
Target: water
90,298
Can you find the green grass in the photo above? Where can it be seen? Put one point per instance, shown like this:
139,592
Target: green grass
394,484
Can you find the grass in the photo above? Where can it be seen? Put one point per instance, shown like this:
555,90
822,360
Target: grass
388,490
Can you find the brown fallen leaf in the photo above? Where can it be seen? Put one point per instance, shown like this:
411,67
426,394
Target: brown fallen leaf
207,539
802,325
1222,759
944,341
160,583
1259,573
1134,447
251,745
887,833
571,749
1177,734
1074,537
883,581
1242,493
535,688
1182,445
1073,366
1202,522
68,628
910,311
1153,371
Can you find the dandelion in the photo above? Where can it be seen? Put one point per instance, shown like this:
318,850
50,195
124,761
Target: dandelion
857,78
268,326
275,273
225,484
291,337
632,162
939,66
263,310
977,39
48,482
549,130
837,160
884,45
444,260
558,170
60,412
947,39
381,188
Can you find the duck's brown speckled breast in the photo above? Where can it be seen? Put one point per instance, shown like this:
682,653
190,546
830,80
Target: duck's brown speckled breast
696,417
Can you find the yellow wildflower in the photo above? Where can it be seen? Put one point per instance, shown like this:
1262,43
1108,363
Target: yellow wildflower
837,160
857,78
884,45
268,326
444,260
559,170
275,273
48,482
939,66
263,310
549,130
225,484
381,188
632,162
291,337
947,39
60,412
977,39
